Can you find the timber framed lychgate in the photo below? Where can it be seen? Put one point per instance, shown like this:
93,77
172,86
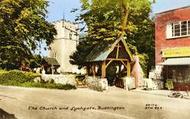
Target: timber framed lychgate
101,59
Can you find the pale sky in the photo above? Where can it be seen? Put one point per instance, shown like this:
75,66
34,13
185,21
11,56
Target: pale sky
164,5
59,9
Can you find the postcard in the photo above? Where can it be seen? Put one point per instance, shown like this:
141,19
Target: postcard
94,59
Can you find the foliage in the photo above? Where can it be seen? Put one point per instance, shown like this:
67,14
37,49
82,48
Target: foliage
143,39
48,85
22,28
106,20
83,49
143,58
25,79
31,75
16,77
2,72
35,61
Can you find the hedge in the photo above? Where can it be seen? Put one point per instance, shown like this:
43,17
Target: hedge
25,79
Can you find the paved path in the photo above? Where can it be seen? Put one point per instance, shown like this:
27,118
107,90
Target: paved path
115,103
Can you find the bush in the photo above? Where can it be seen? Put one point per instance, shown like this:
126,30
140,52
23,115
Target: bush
25,79
2,72
143,58
13,76
31,75
16,76
51,81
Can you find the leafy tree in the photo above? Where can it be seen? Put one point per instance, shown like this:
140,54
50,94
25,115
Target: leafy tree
106,20
83,49
22,28
35,61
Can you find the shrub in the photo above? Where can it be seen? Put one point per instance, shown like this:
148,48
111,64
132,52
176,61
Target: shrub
13,76
25,79
2,72
31,75
51,81
16,76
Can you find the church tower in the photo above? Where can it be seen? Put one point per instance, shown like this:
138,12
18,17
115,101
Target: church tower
65,44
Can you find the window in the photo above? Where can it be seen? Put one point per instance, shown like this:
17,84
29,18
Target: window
188,27
178,29
184,28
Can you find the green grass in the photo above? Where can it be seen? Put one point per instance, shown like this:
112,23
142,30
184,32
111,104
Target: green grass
48,85
25,79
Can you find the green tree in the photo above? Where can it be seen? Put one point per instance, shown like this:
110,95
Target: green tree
22,28
35,61
106,20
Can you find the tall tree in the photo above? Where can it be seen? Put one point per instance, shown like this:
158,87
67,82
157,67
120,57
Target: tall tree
22,27
106,20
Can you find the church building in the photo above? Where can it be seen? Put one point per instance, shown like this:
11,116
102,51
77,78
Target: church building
65,44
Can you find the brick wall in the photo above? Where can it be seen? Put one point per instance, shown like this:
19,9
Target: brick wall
161,42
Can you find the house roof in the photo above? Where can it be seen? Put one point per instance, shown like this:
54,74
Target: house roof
101,51
163,12
51,61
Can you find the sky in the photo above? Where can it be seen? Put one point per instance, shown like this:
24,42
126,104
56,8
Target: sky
59,9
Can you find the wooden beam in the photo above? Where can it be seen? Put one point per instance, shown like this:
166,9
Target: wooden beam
117,59
124,64
103,69
128,69
93,70
108,63
127,49
117,54
52,72
128,66
87,70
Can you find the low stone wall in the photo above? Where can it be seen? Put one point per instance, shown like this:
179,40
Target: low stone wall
159,84
100,84
60,78
129,83
147,83
97,83
94,83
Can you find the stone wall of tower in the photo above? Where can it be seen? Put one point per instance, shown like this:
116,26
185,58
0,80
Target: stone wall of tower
65,44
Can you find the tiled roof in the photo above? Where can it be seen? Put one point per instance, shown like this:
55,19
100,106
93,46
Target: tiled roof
51,61
101,51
